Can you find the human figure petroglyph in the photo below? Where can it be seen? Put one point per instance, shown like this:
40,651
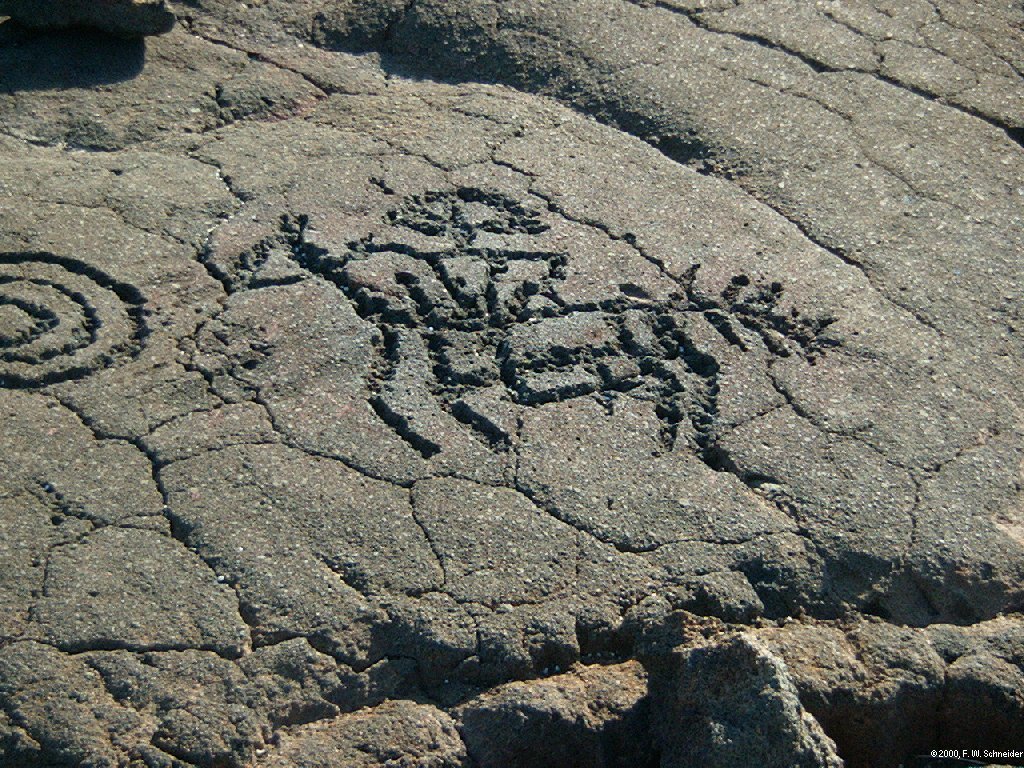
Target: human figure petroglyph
465,299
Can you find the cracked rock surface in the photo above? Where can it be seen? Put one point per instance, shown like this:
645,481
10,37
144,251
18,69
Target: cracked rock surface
512,383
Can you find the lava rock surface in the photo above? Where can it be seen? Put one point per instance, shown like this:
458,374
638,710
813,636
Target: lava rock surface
513,383
122,18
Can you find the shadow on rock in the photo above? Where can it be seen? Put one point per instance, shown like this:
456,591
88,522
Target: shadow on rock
33,60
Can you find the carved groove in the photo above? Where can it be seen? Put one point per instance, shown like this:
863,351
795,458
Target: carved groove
62,319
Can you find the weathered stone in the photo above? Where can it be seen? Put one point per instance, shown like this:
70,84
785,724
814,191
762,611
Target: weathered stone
590,716
731,703
121,17
136,589
686,332
397,733
124,18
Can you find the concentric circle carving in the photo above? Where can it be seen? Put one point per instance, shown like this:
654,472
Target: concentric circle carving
62,319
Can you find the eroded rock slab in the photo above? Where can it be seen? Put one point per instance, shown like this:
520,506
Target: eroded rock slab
362,418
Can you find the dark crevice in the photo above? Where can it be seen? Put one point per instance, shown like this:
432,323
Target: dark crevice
388,34
402,427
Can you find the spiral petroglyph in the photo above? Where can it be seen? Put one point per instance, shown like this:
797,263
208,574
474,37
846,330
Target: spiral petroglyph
61,319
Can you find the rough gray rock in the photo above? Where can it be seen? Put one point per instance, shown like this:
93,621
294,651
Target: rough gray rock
124,18
136,589
397,733
885,692
594,716
351,415
733,702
